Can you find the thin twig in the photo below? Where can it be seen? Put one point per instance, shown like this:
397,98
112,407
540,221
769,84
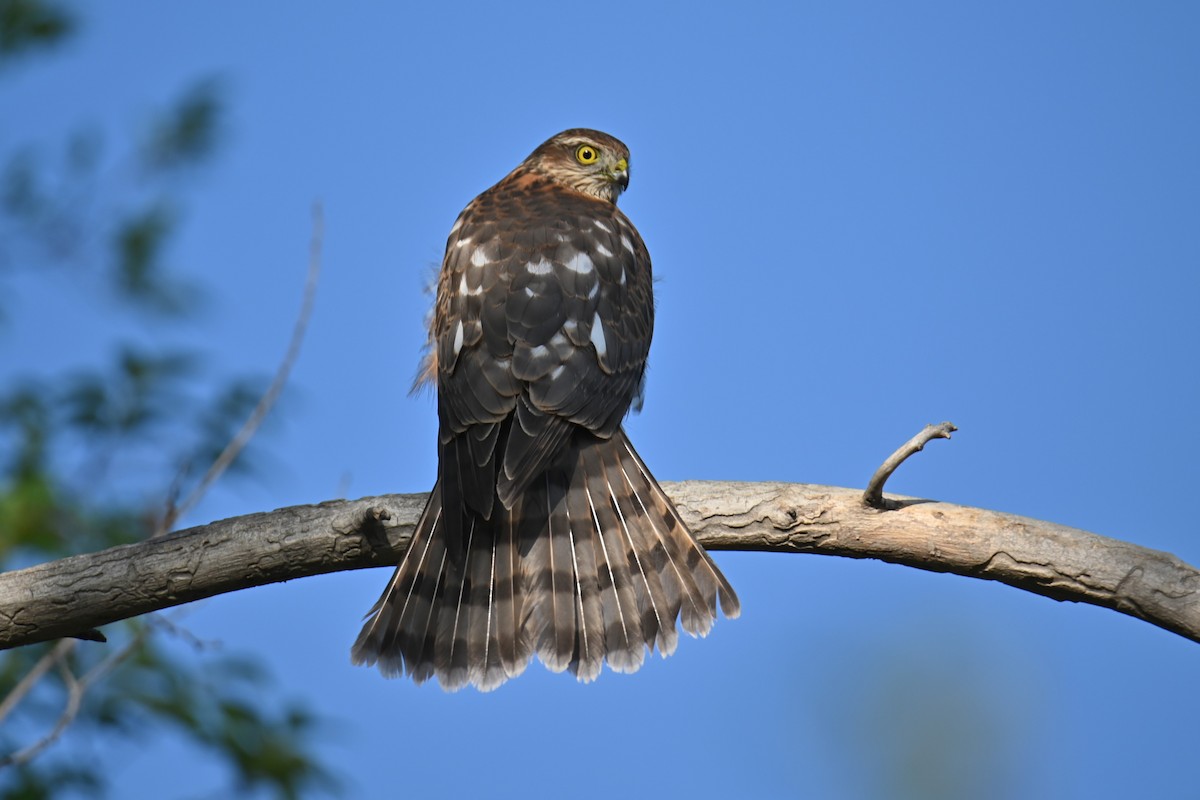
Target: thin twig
873,496
76,689
26,684
164,623
239,441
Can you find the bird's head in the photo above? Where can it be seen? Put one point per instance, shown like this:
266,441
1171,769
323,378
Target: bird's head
585,160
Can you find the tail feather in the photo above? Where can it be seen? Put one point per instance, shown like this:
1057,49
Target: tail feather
698,563
398,630
589,610
511,647
549,570
450,656
646,564
485,667
623,637
659,528
591,564
415,628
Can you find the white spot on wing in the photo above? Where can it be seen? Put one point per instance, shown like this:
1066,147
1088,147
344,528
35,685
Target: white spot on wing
479,258
458,337
598,337
628,245
602,250
540,267
580,263
621,280
465,289
602,225
463,242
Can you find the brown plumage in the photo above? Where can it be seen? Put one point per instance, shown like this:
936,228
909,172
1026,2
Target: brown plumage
545,532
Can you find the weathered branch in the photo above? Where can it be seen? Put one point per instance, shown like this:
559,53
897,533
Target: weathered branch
73,594
873,494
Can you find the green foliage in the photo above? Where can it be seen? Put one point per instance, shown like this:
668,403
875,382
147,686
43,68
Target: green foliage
138,243
27,25
54,210
189,134
93,457
218,709
32,784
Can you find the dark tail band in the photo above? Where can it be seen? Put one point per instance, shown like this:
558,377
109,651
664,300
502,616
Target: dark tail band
591,564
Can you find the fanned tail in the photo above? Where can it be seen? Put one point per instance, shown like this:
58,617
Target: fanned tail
592,564
456,619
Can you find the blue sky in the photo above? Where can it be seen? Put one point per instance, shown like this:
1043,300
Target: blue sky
864,217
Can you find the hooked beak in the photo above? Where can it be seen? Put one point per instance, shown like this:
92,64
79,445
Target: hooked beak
619,174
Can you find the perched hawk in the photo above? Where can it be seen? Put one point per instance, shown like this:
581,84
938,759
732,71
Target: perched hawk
545,531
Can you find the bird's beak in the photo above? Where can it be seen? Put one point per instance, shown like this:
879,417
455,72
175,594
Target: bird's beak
620,174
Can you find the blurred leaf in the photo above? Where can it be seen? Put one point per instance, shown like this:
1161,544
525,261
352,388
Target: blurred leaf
88,458
27,25
187,133
268,751
19,192
26,413
139,242
141,390
221,708
34,784
29,517
240,670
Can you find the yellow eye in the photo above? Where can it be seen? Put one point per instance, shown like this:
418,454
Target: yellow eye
586,154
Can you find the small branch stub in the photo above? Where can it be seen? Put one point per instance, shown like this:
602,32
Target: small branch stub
873,496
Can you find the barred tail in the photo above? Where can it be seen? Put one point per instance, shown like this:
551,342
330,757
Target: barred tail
592,564
456,618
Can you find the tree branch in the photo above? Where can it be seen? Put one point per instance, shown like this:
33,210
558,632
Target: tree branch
62,597
873,494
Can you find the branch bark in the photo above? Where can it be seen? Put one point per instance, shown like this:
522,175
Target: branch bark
76,594
873,494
